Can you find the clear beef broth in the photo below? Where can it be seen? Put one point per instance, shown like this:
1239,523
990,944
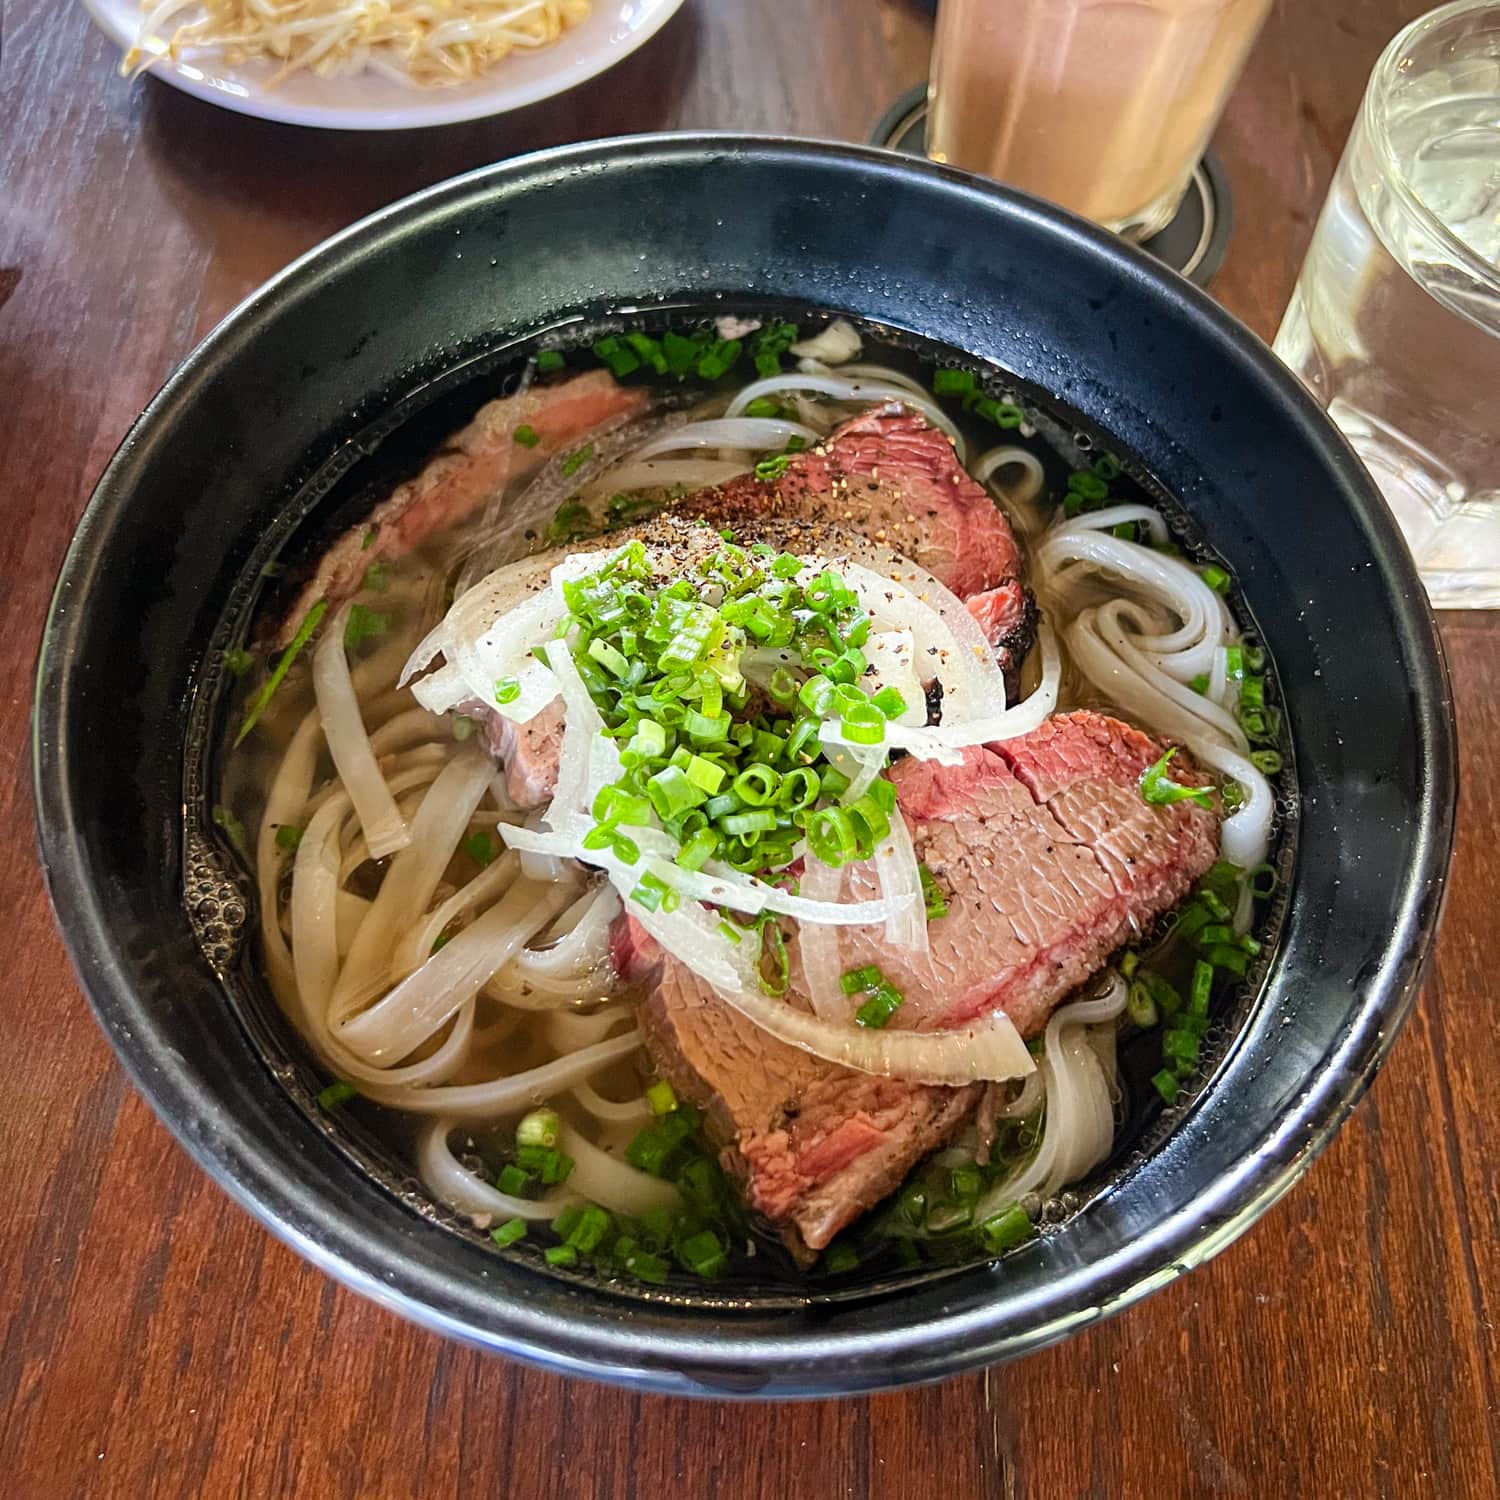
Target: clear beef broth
411,595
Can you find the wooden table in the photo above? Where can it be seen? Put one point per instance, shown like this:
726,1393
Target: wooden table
158,1343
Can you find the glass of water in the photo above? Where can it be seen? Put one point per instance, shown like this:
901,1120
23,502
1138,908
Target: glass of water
1395,322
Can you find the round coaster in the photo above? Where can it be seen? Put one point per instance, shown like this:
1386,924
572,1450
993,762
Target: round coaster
1193,244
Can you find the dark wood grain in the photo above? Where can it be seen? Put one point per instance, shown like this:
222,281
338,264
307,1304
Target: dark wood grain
156,1343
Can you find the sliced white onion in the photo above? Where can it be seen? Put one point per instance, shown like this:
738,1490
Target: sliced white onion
716,883
895,862
836,344
666,474
582,722
754,434
818,945
613,1111
947,640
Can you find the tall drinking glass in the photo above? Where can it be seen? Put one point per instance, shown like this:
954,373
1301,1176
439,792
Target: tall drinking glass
1395,322
1103,106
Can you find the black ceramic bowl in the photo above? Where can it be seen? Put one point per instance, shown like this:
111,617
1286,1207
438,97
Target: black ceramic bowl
282,386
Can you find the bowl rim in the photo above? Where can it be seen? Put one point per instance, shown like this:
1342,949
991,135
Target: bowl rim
806,1361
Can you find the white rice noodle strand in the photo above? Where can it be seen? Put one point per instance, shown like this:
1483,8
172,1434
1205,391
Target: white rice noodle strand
400,1021
1078,1127
448,1180
349,745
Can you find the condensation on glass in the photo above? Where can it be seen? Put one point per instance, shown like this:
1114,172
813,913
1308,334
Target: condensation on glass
1395,321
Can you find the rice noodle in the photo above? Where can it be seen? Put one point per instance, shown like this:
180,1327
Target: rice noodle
615,1184
415,1008
613,1111
412,879
453,1183
348,744
849,390
1078,1125
514,1092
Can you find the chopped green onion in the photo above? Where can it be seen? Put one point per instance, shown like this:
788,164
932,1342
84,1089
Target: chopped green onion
507,690
541,1127
1139,1005
363,625
839,1260
238,661
1005,1230
952,382
866,978
1165,1083
1160,790
756,820
527,437
336,1094
661,1098
773,947
883,1003
551,1165
1087,485
310,622
561,1255
1199,684
288,836
576,460
1216,578
651,892
594,1223
1202,990
509,1232
1107,467
549,360
704,774
932,894
480,847
1267,762
1234,960
698,849
1263,882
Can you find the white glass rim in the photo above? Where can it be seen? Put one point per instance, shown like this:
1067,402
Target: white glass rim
1374,122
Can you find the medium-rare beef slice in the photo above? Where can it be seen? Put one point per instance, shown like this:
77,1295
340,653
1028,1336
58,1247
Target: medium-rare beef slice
470,469
894,479
1050,861
814,1145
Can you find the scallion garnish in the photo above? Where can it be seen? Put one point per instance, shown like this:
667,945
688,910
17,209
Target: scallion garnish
288,836
1160,790
336,1094
363,625
526,436
310,622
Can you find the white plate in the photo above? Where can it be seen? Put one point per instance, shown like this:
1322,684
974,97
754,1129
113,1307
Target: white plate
614,30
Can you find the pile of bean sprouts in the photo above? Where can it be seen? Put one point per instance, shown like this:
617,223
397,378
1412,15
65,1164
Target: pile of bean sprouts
420,43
